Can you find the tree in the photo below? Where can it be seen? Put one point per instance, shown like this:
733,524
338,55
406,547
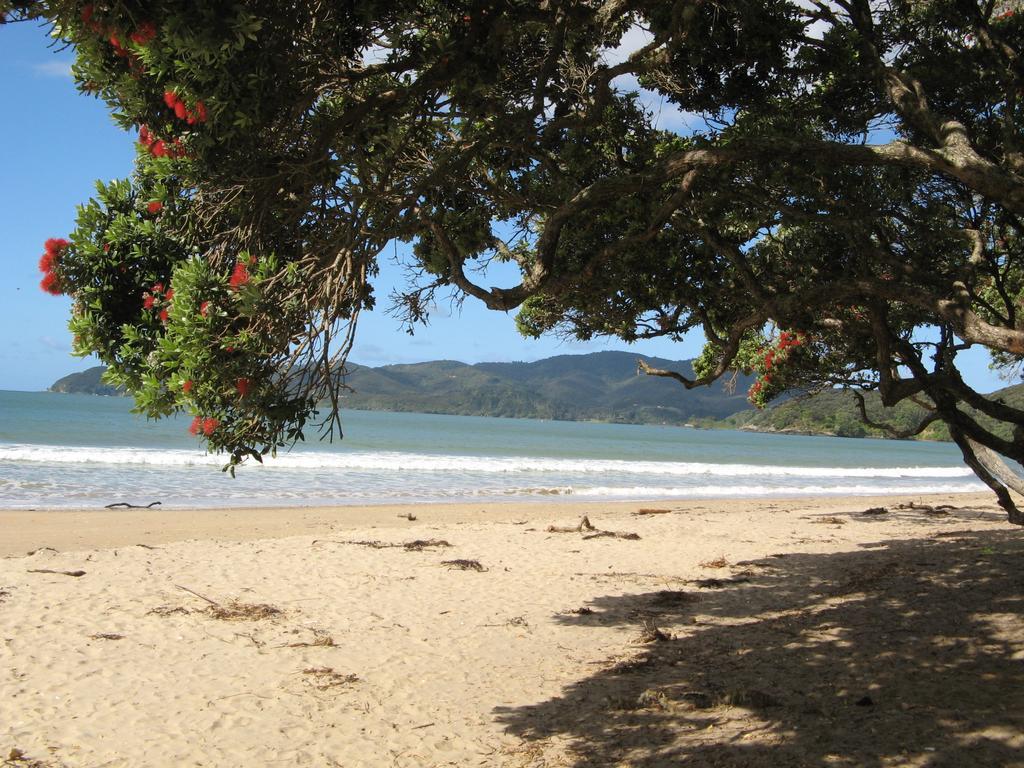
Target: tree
844,211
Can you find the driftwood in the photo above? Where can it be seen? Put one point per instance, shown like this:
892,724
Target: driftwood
647,511
126,505
76,574
586,526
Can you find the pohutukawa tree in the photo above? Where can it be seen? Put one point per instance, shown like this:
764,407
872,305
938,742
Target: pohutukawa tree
844,207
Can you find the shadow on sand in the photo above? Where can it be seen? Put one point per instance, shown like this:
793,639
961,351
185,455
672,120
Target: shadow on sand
910,653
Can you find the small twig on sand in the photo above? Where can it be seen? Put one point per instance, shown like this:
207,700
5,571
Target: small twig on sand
201,597
126,505
76,574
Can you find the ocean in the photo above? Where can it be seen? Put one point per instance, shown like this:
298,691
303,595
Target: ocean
61,451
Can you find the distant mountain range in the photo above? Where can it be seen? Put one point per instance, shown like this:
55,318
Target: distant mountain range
602,386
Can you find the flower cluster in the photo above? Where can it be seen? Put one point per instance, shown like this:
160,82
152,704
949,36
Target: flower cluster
48,262
143,35
771,362
239,276
181,109
157,146
206,425
158,300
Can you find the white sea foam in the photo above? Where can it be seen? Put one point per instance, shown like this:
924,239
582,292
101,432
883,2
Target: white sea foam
447,463
751,491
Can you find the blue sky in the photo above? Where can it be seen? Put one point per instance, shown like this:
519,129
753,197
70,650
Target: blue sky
55,143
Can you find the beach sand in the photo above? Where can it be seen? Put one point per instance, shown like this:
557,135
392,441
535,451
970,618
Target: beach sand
729,633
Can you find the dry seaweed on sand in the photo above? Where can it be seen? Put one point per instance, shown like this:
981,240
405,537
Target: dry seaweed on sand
17,758
830,520
718,562
106,636
464,565
720,583
409,546
321,639
613,535
324,678
650,511
420,544
671,597
235,610
168,610
651,634
875,511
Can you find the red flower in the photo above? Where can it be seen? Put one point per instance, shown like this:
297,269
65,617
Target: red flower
145,135
46,262
144,33
180,110
147,300
197,422
170,294
242,385
106,247
55,245
159,149
187,386
204,308
240,275
209,425
229,349
154,206
164,316
87,12
51,284
200,112
170,99
158,287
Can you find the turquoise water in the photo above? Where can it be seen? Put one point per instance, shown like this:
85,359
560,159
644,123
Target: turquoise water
77,450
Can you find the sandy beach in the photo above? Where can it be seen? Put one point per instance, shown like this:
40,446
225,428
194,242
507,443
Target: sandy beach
723,633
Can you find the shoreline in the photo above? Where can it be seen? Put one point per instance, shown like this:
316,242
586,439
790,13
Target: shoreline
74,529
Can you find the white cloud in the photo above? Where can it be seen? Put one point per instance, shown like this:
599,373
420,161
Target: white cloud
53,68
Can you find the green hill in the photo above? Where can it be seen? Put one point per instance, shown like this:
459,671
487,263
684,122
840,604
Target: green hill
87,382
602,386
835,413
